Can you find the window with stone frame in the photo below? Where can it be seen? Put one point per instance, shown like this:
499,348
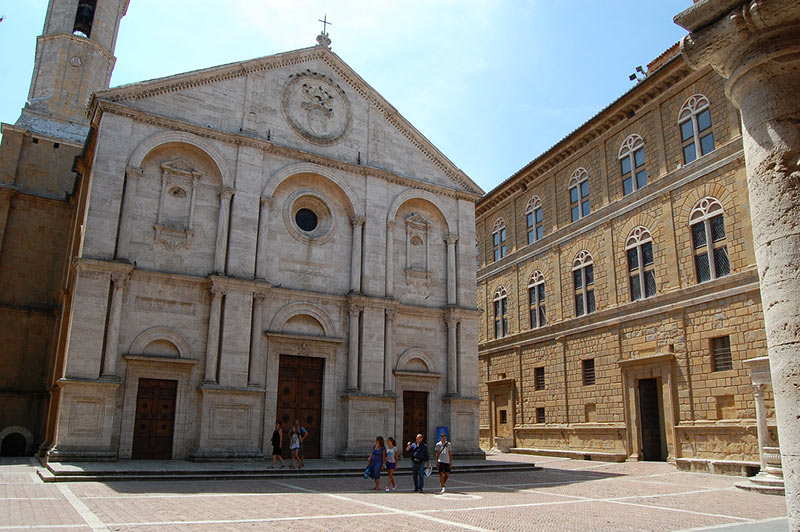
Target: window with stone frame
583,283
641,264
533,219
538,379
176,204
587,368
418,230
694,122
579,194
631,161
540,418
721,353
499,239
707,223
536,309
500,312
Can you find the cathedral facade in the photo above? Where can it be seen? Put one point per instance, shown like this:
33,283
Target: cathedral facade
265,240
620,297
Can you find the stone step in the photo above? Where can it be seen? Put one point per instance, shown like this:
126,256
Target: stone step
55,472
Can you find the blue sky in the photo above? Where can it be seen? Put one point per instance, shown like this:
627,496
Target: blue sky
492,84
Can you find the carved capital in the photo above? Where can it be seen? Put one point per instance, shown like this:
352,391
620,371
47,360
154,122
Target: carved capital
266,201
357,221
120,280
353,308
259,297
226,193
758,389
217,291
451,238
390,314
133,172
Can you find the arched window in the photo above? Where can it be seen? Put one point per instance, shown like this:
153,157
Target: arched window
641,270
707,222
499,239
583,281
500,312
694,121
631,161
536,300
579,194
533,219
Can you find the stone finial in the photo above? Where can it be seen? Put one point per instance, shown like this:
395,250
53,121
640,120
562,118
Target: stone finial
324,40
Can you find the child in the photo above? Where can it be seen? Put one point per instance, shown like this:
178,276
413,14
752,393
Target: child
391,462
377,461
294,446
277,443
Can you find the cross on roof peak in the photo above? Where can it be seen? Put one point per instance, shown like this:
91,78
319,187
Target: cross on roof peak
322,38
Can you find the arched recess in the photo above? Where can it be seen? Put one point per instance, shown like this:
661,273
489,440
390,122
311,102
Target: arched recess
405,361
424,195
181,137
299,308
310,168
17,429
160,333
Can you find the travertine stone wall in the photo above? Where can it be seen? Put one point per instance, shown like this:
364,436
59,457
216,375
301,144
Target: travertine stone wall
705,415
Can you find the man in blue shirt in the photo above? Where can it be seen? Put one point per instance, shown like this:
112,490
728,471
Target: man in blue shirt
419,454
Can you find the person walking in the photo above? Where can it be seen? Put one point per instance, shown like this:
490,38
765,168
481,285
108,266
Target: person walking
391,462
302,434
444,459
294,446
419,455
277,443
377,461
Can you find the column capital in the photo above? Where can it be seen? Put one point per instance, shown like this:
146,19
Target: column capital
266,201
226,193
451,238
391,314
758,389
354,308
133,172
120,279
357,221
259,297
218,291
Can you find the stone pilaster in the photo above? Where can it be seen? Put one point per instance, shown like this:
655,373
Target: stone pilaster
212,344
756,46
452,354
119,282
258,360
352,351
132,175
225,196
263,238
355,259
389,259
451,268
388,350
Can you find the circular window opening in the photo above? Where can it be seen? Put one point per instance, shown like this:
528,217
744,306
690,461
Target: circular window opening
306,219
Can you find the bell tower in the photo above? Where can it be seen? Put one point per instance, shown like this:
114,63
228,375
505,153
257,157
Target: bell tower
74,58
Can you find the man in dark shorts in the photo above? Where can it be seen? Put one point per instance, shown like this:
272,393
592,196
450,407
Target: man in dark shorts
444,459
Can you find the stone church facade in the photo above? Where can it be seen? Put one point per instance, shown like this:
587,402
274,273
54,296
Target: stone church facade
618,285
265,240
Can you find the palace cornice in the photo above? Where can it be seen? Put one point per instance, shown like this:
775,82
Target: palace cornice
662,304
623,108
107,106
211,75
11,128
723,156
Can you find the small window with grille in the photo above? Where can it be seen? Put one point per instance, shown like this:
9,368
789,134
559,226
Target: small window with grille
538,376
588,371
721,353
540,414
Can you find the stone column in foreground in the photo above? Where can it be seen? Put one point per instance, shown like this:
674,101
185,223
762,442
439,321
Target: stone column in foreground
755,45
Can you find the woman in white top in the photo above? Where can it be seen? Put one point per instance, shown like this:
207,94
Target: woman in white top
391,462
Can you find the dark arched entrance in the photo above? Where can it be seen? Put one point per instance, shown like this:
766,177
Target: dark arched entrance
13,445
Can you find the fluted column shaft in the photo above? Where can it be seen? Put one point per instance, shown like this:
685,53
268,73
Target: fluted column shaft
352,351
119,282
212,344
451,268
263,238
355,259
225,196
388,350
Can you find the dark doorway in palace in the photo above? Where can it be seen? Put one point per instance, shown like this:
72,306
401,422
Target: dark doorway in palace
300,397
155,419
415,418
649,406
13,445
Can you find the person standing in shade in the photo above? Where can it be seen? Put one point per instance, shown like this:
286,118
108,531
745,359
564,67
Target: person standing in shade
277,443
419,455
392,455
444,459
302,434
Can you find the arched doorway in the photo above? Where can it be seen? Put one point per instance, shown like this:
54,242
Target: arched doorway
14,444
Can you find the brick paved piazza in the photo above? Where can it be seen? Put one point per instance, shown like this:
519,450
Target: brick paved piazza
564,495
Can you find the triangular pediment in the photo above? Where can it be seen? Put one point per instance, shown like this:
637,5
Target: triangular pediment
307,99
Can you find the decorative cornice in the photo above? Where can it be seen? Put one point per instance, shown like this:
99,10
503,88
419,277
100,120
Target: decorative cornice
107,106
212,75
